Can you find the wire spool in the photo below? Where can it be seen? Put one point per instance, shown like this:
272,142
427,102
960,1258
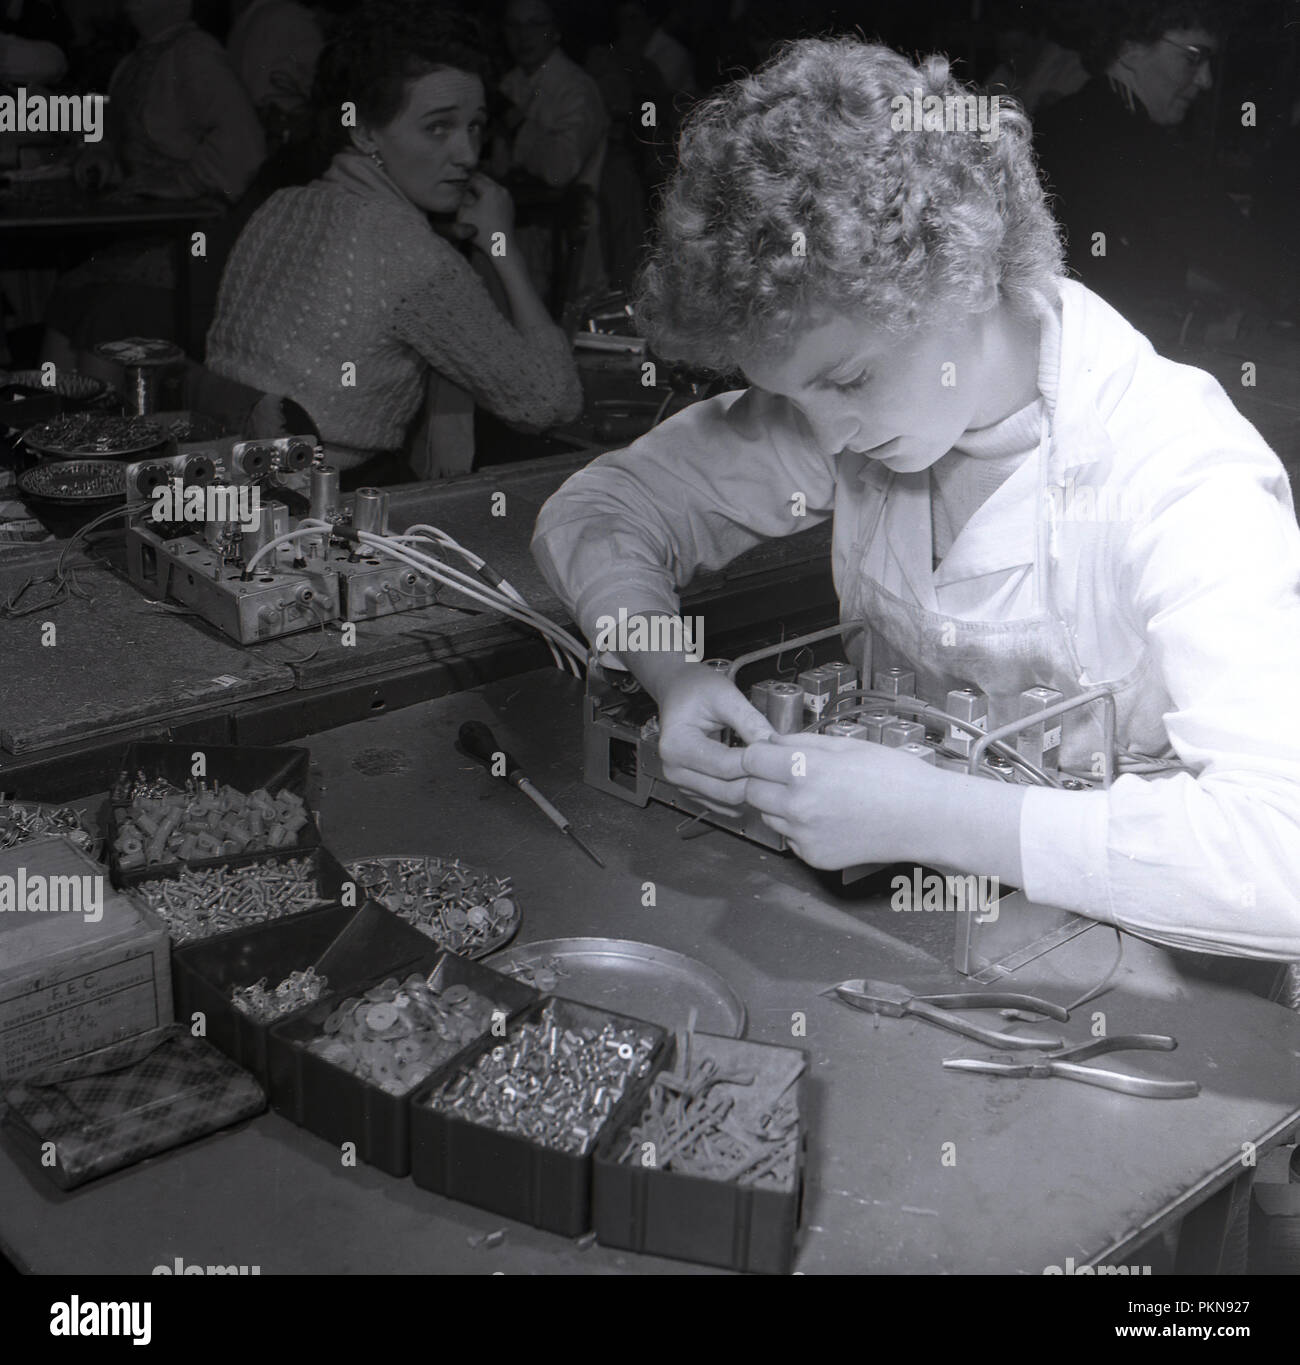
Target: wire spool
146,364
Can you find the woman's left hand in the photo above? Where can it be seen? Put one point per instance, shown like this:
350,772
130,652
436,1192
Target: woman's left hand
838,801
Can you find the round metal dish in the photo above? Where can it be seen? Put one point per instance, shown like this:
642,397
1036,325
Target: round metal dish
75,481
636,979
382,880
77,434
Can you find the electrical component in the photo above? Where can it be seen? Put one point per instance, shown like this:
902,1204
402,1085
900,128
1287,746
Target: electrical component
844,683
900,733
971,706
759,694
785,707
847,729
1040,742
874,723
896,682
818,689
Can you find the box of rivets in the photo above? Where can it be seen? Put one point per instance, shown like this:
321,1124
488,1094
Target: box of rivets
346,1068
511,1126
198,805
710,1166
81,967
239,985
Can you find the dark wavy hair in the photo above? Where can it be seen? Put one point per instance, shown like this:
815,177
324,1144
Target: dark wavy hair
1112,24
378,49
897,224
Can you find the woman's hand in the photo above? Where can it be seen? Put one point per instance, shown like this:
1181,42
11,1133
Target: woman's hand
487,208
839,801
698,701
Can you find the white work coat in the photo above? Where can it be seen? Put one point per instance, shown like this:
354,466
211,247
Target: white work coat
1173,548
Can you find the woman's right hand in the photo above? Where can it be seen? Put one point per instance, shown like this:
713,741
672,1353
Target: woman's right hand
697,701
488,209
96,168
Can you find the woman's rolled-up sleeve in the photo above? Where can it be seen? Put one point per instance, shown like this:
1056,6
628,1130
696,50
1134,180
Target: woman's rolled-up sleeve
1208,859
634,526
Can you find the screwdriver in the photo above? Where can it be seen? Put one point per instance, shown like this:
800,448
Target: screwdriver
479,742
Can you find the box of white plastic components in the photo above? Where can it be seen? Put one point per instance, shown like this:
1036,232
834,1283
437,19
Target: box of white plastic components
80,966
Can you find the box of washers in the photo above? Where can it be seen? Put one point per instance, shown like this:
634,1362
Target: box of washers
242,984
511,1125
710,1167
196,806
345,1068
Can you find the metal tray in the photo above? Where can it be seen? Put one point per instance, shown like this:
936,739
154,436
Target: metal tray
473,944
636,979
77,434
75,481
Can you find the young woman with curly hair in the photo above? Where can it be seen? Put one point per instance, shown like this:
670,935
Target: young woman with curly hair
1023,493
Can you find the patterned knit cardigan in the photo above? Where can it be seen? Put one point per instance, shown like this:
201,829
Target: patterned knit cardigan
340,296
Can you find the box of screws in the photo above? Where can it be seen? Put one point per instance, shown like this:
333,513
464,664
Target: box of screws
710,1168
346,1067
511,1126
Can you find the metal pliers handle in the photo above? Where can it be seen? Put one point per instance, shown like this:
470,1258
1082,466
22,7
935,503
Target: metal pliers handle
882,997
1066,1064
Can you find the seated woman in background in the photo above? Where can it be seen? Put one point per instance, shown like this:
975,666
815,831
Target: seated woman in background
179,126
342,296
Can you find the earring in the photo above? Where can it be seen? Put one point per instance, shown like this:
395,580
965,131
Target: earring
373,154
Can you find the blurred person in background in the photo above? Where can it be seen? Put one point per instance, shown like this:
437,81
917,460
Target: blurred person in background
274,46
342,295
555,128
179,125
1115,156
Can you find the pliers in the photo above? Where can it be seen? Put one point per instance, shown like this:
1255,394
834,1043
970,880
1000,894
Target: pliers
1066,1064
881,997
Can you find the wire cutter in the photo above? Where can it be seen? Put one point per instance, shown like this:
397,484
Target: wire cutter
1066,1065
881,997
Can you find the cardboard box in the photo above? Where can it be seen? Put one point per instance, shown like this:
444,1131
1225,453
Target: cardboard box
76,979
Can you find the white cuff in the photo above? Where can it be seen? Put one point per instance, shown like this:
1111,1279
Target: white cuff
1063,850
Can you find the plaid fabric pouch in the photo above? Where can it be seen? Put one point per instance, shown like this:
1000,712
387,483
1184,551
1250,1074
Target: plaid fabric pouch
126,1102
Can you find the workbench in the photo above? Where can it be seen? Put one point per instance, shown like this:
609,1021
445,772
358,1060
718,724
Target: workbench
1039,1172
123,667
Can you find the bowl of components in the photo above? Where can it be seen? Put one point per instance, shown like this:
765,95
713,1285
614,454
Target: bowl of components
711,1168
251,802
23,821
245,981
75,434
511,1125
199,903
464,909
74,482
345,1069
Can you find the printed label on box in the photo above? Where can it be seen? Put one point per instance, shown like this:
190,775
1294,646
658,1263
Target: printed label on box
50,1023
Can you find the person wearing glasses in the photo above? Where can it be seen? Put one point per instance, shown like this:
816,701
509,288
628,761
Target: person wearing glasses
1148,221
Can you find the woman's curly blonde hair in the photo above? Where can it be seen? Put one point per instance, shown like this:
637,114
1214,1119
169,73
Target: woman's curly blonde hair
894,223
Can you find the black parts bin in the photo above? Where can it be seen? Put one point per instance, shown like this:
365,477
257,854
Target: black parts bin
345,945
507,1173
272,769
342,1107
692,1217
